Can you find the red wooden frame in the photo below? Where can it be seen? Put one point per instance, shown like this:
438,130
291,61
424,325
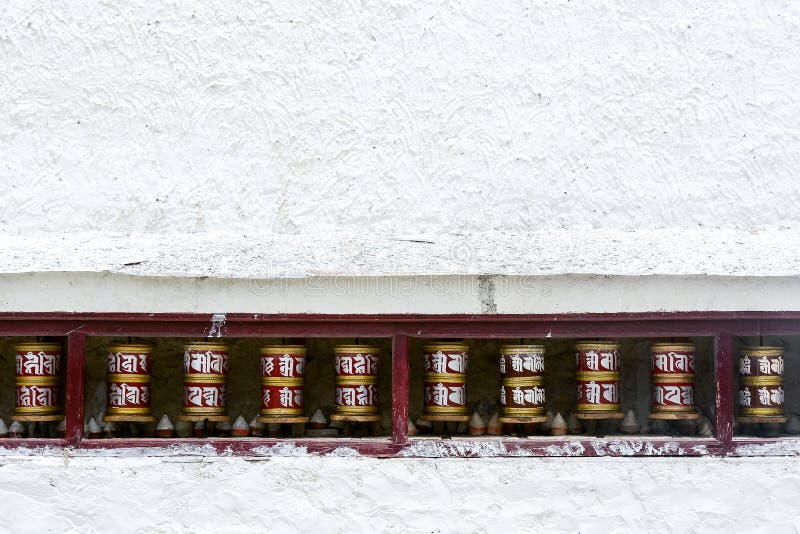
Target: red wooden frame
722,326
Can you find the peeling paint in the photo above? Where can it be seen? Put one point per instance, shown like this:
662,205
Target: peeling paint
435,448
288,448
217,325
574,448
787,447
344,452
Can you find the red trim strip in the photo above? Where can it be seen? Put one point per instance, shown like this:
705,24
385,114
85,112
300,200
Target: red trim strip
721,325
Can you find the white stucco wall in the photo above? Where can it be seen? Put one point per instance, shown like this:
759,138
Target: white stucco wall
402,118
190,494
287,139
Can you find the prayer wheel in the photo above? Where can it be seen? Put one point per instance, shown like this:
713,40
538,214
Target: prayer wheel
205,368
356,382
38,382
445,385
761,387
128,382
597,377
672,378
282,368
522,390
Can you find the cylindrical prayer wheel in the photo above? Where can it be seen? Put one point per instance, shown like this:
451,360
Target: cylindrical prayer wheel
522,371
761,388
205,368
597,377
356,380
128,381
38,381
445,385
282,368
672,377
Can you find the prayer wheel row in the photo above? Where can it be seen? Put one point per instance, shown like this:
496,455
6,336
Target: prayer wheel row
205,367
522,391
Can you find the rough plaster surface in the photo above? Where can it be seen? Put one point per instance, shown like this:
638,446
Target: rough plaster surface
187,494
543,253
277,124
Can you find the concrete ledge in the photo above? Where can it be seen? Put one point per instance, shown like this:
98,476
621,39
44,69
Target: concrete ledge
109,292
669,251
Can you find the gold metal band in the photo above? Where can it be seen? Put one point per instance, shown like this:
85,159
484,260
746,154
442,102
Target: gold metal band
670,408
762,380
202,410
292,350
355,349
131,378
522,349
672,347
597,407
761,411
132,348
522,411
281,381
118,410
446,377
39,347
281,411
356,409
37,380
761,351
524,381
37,409
204,346
445,347
462,410
205,379
596,376
596,345
672,379
356,380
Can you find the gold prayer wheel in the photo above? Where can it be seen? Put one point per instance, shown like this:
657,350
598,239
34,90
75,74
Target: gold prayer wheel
128,374
597,378
522,392
761,391
445,387
38,382
205,367
672,378
356,382
282,381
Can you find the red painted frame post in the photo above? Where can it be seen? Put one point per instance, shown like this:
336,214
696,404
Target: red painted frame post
723,374
76,358
399,389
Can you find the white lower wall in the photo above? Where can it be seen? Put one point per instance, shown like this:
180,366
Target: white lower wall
353,494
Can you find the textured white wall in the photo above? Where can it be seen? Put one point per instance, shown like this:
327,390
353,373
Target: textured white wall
398,116
193,494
